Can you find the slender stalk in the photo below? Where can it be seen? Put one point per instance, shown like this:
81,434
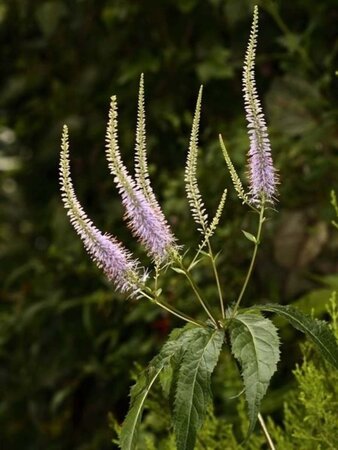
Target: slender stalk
195,257
171,309
253,258
185,271
214,268
179,314
198,295
219,289
265,431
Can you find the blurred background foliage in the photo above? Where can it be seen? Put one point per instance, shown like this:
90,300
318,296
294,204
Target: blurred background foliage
68,343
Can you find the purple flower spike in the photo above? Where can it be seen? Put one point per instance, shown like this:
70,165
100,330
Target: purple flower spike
109,256
145,218
116,262
147,224
262,174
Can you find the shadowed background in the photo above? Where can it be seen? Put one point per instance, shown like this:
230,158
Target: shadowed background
68,343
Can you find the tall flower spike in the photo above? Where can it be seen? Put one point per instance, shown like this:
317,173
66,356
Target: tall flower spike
141,163
116,262
263,176
214,222
236,181
193,193
145,219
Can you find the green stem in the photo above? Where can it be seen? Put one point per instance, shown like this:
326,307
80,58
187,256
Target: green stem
171,310
195,289
179,314
221,301
253,258
194,259
265,431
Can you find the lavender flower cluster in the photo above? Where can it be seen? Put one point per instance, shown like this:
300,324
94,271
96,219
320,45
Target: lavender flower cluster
144,217
142,212
109,254
262,175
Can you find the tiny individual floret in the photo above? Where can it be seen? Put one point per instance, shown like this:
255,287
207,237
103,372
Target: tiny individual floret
116,262
262,174
144,216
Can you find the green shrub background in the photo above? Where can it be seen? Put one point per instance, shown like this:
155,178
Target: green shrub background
68,342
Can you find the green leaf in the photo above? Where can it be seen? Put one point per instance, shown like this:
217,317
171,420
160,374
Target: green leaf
170,373
317,330
139,392
250,236
49,15
193,392
194,263
255,344
178,270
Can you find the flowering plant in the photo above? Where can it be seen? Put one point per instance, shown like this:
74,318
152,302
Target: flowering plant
187,360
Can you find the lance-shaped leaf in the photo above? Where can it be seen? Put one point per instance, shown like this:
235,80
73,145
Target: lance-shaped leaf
317,330
139,392
169,375
255,344
138,395
193,392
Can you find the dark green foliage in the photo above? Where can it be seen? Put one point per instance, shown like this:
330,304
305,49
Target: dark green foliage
309,413
189,357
